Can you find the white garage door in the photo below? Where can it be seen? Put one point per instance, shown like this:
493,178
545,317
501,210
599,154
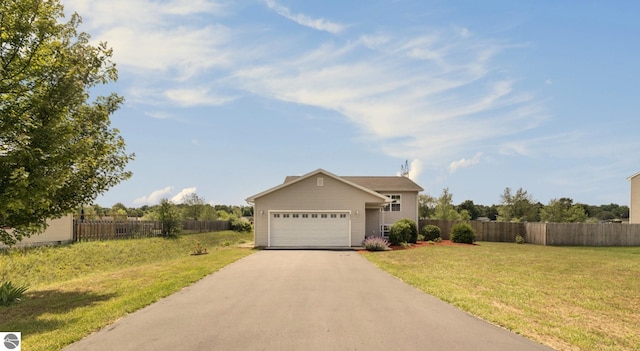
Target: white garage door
309,229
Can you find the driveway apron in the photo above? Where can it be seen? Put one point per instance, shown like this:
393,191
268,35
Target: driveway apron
302,300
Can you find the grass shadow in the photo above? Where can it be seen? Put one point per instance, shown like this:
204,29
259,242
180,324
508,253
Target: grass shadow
27,316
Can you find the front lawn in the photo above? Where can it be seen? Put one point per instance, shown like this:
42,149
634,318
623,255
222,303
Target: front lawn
77,289
566,297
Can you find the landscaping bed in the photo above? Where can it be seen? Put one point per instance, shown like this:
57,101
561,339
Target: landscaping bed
420,244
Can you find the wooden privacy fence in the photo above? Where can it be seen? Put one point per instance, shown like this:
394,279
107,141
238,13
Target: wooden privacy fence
551,234
90,230
205,226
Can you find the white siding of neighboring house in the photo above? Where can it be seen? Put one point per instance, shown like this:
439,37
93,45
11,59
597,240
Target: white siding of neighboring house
634,204
60,230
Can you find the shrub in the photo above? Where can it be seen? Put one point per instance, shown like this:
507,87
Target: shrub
404,230
463,233
239,224
519,239
170,218
199,249
10,293
376,243
431,232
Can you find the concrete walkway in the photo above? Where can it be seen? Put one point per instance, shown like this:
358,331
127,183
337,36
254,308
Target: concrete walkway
302,300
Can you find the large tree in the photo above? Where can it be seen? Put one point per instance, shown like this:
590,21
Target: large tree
444,209
518,207
193,206
57,148
563,210
426,204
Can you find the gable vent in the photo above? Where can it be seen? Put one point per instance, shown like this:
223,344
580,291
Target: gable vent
320,181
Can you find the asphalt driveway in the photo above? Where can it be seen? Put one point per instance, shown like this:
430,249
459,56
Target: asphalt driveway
302,300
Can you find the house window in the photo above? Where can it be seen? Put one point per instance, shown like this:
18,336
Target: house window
394,206
333,215
305,215
314,215
285,215
384,229
276,215
343,215
295,215
324,215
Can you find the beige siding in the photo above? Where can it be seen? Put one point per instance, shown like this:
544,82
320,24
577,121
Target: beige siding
408,208
634,208
59,231
307,195
373,222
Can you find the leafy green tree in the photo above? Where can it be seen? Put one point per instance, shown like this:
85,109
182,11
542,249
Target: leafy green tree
518,207
426,204
247,211
169,214
605,215
471,208
445,210
119,210
57,149
193,206
563,210
490,212
208,213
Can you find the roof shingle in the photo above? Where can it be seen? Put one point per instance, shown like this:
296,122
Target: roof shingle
377,183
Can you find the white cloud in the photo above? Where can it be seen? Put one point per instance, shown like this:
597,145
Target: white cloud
198,96
154,197
415,170
464,162
181,52
431,96
159,40
304,20
159,114
179,198
157,195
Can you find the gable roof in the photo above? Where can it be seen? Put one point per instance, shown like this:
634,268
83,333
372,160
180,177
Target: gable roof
292,180
377,183
633,176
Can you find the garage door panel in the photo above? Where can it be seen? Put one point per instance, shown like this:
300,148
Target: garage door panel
310,231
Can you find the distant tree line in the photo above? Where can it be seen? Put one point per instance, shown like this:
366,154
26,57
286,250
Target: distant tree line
193,207
518,206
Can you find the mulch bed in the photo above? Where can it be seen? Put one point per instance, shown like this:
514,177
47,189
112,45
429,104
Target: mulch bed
426,243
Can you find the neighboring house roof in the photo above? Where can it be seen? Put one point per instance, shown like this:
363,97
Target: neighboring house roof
633,176
294,179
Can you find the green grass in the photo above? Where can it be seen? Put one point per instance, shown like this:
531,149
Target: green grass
77,289
566,297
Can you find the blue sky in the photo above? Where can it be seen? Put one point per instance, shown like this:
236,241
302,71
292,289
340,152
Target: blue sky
226,98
